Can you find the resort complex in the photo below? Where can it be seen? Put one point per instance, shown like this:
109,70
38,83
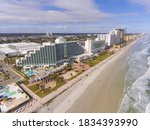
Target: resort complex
62,51
52,54
44,70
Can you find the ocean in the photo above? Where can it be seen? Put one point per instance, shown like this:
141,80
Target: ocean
136,97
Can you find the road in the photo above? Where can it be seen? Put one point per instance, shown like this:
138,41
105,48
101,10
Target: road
14,77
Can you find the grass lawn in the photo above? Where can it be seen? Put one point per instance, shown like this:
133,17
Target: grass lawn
76,75
11,60
43,93
4,76
26,78
34,87
92,62
59,84
19,72
26,82
47,91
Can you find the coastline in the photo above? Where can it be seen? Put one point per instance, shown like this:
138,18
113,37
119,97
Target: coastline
77,99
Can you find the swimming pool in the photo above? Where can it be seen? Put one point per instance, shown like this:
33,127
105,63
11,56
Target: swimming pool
30,73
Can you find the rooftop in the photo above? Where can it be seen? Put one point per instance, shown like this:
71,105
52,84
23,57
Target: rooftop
60,40
23,44
7,50
11,96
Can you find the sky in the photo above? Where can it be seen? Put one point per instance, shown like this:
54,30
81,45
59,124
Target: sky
74,16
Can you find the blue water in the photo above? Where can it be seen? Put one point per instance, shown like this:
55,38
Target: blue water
30,73
137,81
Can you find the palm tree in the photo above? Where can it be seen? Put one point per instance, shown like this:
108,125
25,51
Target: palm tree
71,74
41,86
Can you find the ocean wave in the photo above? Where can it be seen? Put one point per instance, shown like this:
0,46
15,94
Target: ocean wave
148,108
138,97
137,81
146,51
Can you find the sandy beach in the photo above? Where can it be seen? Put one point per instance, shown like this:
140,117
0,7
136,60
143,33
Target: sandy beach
100,91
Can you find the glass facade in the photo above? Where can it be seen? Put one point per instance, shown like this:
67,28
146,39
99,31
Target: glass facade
44,56
97,46
73,49
53,55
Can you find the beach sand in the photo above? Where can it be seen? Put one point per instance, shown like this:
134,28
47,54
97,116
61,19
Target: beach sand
100,91
105,93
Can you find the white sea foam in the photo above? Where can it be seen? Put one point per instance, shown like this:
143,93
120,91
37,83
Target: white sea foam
146,51
148,108
137,94
137,97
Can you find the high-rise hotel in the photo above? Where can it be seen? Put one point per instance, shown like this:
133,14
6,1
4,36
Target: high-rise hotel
52,54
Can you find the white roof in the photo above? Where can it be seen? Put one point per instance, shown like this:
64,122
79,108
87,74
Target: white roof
4,45
47,43
1,52
60,40
23,44
7,50
15,47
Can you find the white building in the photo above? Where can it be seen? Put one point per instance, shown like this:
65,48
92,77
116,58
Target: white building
92,47
13,49
111,39
48,34
23,47
101,37
8,51
60,40
88,46
116,36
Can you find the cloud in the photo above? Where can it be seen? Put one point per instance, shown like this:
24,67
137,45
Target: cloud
55,15
49,11
59,28
145,3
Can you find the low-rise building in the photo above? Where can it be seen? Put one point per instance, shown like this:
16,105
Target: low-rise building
8,51
11,96
23,47
14,49
130,37
116,46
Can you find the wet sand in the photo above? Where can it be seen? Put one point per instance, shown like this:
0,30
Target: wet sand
101,91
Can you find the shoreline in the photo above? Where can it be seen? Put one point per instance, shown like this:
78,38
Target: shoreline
107,88
65,101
